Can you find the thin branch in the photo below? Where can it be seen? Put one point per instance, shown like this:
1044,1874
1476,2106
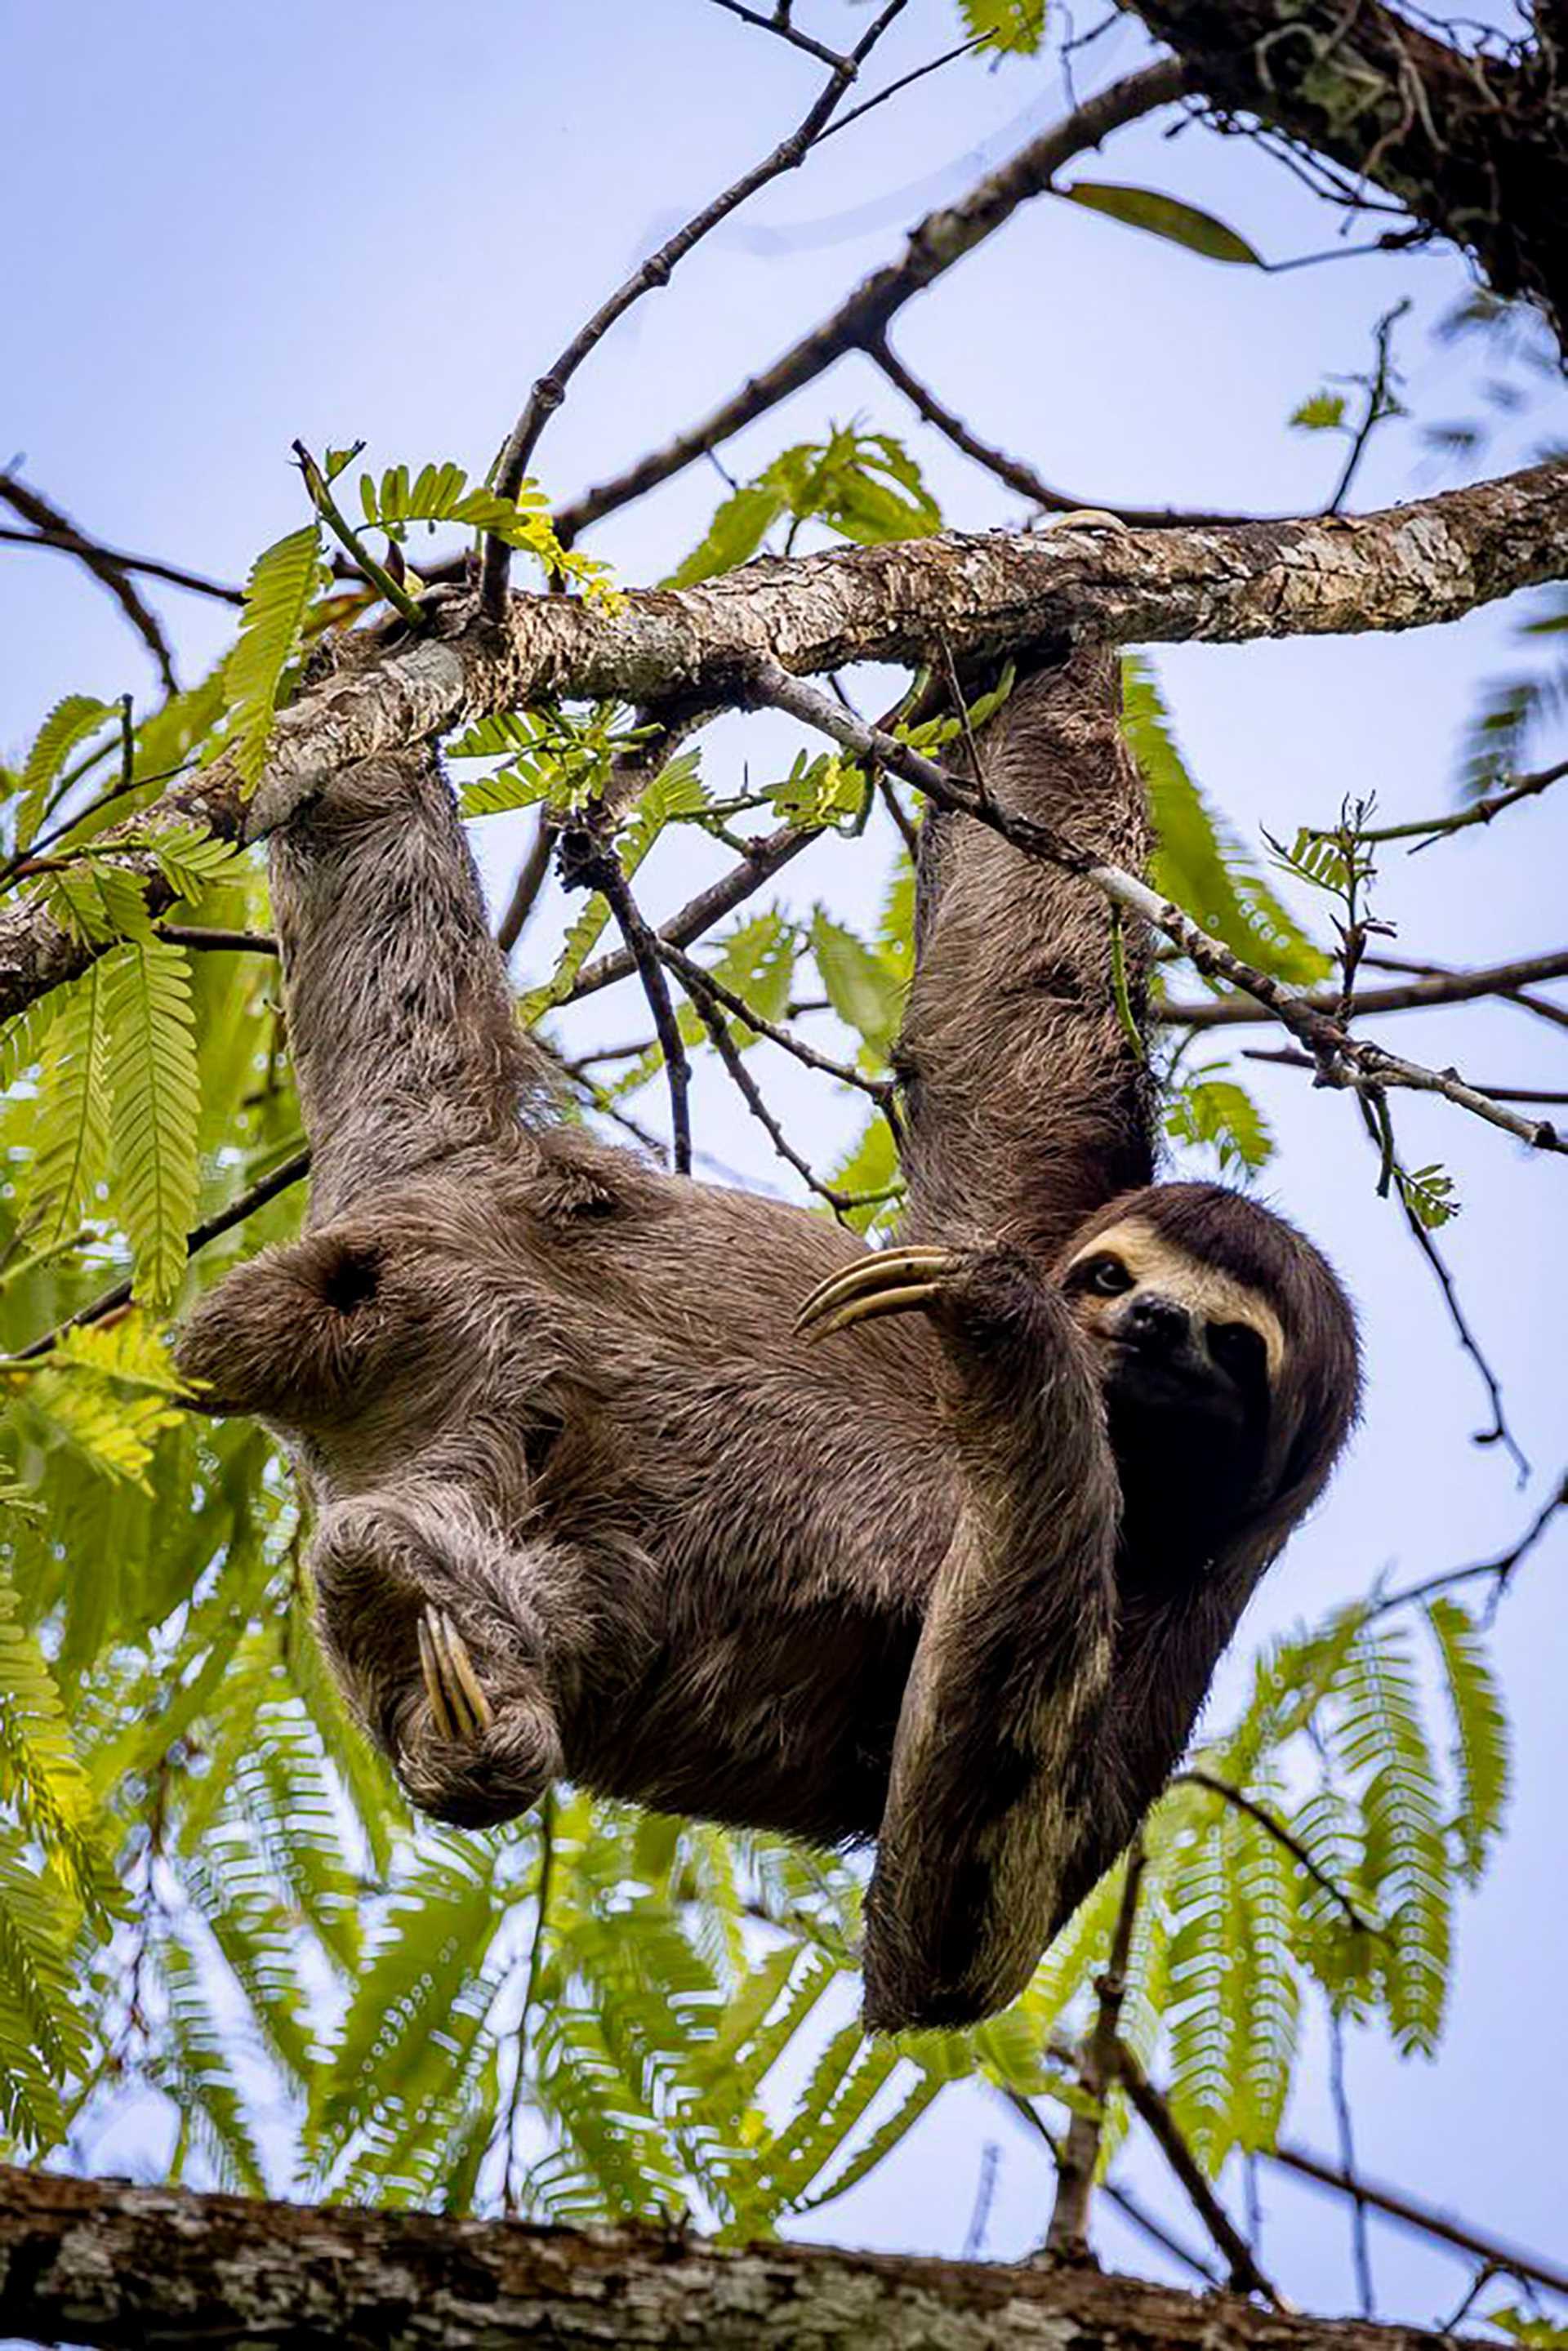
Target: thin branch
916,73
1380,404
694,975
934,244
1437,987
532,875
1121,2198
710,1013
530,1990
1196,1776
1396,2206
600,868
66,541
1424,831
1012,471
97,559
189,935
287,1173
1067,2238
698,915
1152,2110
511,466
1287,1059
985,2191
785,31
1500,1571
1344,1062
1360,2242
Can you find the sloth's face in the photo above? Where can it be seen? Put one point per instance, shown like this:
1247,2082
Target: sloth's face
1190,1354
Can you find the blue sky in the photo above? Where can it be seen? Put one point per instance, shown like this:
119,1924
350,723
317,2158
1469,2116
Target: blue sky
227,226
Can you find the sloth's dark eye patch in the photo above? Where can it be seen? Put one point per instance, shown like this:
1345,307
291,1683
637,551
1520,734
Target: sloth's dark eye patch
1240,1350
1100,1277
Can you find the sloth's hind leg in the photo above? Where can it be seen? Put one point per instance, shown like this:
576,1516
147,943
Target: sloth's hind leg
430,1620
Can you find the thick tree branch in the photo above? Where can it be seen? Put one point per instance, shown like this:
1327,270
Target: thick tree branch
1410,566
1474,145
101,2262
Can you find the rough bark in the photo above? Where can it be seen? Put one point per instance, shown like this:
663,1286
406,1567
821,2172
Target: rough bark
1474,146
100,2262
1408,567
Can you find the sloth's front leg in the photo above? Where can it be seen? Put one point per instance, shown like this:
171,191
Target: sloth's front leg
1000,1784
430,1622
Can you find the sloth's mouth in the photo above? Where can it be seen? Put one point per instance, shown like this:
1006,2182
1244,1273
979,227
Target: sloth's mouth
1163,1381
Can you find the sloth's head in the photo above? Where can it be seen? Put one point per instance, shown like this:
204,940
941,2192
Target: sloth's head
1229,1365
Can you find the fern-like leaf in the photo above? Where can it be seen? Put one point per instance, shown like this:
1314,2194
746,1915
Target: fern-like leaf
71,720
156,1100
283,583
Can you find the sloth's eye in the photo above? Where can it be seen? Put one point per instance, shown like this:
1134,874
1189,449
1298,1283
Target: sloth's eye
1106,1277
1240,1350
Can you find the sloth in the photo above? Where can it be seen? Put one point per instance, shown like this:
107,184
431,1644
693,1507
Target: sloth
688,1494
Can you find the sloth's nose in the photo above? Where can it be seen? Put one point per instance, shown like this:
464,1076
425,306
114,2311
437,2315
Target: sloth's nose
1156,1323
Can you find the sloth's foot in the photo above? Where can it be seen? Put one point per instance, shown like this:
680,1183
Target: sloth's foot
465,1758
886,1282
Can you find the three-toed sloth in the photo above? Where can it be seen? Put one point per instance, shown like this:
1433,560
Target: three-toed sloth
688,1495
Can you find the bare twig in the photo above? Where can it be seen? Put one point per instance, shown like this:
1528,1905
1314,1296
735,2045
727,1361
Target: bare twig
916,73
1423,2217
1425,830
1500,1571
190,935
62,532
1379,403
1012,470
531,877
530,1993
512,464
1344,1061
600,868
785,30
985,2191
710,1013
938,241
1123,2200
1436,986
1152,2110
694,976
744,879
1360,2244
1196,1776
1067,2239
66,541
1287,1059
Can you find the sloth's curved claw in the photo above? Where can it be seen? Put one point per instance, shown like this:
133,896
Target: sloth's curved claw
458,1705
1083,518
885,1282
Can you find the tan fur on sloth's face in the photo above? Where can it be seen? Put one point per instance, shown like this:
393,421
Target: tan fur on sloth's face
1133,1283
